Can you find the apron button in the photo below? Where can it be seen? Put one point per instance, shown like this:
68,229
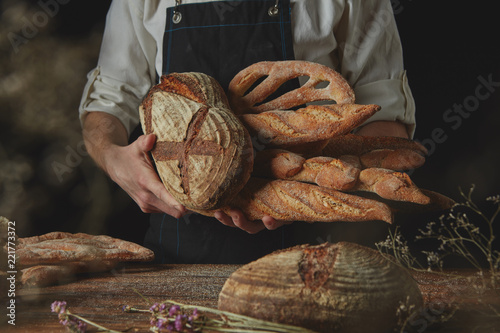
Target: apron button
177,17
273,11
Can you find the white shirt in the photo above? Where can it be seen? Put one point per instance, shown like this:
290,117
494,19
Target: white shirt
357,38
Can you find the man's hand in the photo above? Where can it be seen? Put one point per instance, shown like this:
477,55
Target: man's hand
128,165
236,219
131,168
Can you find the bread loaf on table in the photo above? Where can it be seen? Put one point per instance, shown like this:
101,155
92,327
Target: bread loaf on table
203,153
336,173
341,288
283,128
296,201
46,275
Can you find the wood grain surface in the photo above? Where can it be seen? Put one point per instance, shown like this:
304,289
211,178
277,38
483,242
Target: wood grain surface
100,298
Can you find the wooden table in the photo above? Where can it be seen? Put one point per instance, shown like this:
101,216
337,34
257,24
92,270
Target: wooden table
100,298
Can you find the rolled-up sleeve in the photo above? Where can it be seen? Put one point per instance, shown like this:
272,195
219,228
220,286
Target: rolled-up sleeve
125,70
371,59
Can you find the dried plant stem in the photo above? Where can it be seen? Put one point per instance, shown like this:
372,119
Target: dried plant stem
248,324
99,327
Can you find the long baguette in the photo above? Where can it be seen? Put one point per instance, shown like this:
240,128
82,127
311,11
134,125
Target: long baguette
391,185
296,201
313,123
336,173
393,159
351,144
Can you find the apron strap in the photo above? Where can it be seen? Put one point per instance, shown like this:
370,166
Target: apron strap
177,16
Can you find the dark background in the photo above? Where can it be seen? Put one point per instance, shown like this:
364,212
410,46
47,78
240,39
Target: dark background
47,182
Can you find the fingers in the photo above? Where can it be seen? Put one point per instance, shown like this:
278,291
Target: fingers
165,201
133,170
146,142
224,219
236,219
272,224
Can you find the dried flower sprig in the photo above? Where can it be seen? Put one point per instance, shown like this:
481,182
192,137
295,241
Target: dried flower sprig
189,318
170,316
396,249
465,231
470,238
457,234
74,323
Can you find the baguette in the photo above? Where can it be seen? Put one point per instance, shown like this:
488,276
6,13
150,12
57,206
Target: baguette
276,74
391,185
437,202
393,159
336,173
351,144
313,123
296,201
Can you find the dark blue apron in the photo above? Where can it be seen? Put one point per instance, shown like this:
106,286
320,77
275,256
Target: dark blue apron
220,39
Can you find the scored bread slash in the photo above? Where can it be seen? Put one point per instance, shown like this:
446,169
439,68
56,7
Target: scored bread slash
393,159
391,185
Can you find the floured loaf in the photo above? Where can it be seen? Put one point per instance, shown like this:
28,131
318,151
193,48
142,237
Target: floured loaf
203,153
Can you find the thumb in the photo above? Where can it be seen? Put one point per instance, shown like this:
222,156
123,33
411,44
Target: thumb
146,142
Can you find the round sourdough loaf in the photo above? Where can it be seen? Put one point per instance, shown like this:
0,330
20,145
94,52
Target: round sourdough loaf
342,287
203,153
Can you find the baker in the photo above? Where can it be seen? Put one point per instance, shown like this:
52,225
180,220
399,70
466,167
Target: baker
146,39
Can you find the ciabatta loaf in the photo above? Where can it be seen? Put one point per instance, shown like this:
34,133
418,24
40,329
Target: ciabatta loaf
203,153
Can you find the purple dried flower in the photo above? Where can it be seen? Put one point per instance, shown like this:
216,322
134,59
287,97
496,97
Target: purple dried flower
173,310
178,323
161,323
154,308
58,307
193,316
163,307
82,327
